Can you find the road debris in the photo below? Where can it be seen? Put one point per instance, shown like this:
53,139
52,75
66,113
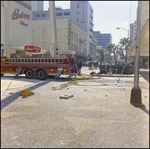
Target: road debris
92,73
25,94
11,93
7,88
65,96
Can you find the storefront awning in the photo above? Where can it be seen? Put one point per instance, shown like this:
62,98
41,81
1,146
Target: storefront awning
17,48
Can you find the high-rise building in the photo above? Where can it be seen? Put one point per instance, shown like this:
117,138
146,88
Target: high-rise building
102,40
131,31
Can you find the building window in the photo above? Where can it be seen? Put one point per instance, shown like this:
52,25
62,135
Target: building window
76,38
37,15
90,36
44,15
66,13
78,13
91,17
77,19
77,6
74,47
58,14
91,30
91,23
72,35
69,46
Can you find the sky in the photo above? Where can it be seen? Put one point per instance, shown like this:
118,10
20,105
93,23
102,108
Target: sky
107,15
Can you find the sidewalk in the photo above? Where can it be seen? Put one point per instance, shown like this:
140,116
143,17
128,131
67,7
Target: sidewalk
99,115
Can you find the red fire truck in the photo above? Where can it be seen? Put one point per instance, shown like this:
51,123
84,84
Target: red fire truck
39,68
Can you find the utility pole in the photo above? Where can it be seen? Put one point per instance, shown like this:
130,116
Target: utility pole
53,29
136,91
42,41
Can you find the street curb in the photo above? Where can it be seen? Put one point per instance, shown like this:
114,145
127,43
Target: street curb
98,75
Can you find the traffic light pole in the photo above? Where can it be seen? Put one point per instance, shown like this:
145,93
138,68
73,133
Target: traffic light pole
136,91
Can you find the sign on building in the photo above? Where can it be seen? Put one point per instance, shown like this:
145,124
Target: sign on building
32,49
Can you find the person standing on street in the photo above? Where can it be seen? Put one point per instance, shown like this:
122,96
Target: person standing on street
79,65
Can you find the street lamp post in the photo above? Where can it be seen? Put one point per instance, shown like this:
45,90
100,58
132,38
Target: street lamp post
136,91
42,37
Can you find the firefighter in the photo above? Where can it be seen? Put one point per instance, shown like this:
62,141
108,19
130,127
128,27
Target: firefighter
72,62
79,65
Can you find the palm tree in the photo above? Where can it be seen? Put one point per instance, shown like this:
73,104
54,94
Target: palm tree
120,53
111,48
125,43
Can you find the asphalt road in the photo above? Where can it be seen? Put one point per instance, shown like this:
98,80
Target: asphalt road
145,74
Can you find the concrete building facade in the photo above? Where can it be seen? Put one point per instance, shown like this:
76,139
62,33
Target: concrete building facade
70,38
80,13
15,27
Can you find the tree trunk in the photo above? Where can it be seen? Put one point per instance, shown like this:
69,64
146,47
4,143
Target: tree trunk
114,57
126,54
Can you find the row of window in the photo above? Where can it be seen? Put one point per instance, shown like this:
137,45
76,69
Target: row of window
57,14
65,14
75,37
74,47
43,15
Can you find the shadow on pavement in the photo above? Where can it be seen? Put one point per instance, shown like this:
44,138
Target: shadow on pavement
13,97
145,74
5,102
141,106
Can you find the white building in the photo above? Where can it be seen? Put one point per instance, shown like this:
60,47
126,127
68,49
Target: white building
80,13
70,38
15,27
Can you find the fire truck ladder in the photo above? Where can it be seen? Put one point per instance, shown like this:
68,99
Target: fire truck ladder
37,61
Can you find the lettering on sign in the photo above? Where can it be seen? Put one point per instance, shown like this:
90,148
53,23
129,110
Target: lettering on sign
65,52
16,15
32,49
78,53
22,23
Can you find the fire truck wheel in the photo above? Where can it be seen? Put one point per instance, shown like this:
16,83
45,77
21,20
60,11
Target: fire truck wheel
30,73
41,74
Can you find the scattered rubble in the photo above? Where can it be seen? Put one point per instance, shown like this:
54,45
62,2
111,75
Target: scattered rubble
65,96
